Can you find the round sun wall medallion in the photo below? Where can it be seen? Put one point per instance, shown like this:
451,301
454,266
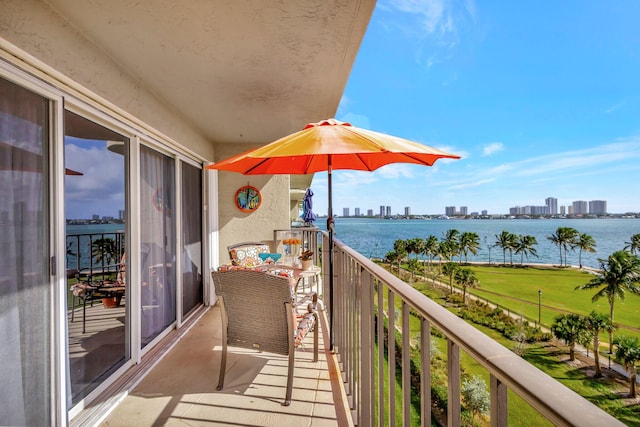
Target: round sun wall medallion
248,198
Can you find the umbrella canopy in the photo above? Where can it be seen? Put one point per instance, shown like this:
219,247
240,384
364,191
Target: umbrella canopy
331,145
307,207
325,146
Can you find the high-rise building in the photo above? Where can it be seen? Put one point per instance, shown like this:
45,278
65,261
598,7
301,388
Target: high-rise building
388,210
529,210
552,204
580,207
598,207
95,217
356,212
463,210
121,214
381,211
450,210
407,211
484,212
563,210
345,211
369,212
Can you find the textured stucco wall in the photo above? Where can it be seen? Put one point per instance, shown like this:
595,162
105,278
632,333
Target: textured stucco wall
38,30
236,226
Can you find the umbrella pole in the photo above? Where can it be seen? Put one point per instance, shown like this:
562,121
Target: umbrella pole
330,228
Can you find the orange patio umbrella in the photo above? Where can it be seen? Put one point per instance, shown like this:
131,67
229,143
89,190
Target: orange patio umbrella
326,146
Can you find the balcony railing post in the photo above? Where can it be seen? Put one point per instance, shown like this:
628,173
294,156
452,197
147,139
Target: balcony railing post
380,336
499,402
391,356
425,372
406,366
453,372
350,289
366,389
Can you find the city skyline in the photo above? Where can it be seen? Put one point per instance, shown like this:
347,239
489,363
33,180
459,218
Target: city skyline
592,207
534,97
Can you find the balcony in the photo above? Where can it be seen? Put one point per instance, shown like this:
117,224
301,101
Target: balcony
347,385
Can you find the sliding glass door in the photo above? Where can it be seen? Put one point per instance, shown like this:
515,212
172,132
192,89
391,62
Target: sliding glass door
97,309
25,284
191,228
158,243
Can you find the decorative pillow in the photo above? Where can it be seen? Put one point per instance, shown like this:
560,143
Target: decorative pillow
247,256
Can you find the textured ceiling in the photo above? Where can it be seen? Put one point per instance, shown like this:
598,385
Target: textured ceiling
240,71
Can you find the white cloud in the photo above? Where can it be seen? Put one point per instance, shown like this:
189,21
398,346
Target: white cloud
494,147
614,107
100,189
472,184
345,102
551,167
430,11
393,171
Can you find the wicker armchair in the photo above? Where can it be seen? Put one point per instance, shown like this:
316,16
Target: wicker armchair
257,312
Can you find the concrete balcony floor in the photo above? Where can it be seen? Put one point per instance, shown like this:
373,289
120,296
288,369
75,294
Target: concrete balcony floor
181,388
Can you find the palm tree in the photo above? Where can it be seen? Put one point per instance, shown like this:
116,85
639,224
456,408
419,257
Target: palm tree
564,238
466,278
400,245
569,328
396,256
525,247
634,244
449,269
430,248
586,243
619,274
505,242
469,242
628,353
596,323
413,246
446,251
452,238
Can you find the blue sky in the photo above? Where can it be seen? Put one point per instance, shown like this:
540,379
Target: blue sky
541,99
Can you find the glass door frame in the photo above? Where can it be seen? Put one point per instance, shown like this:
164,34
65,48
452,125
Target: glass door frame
92,114
61,97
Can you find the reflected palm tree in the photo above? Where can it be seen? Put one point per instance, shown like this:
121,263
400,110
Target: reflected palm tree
104,251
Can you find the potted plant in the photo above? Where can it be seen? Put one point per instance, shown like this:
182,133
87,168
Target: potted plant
305,258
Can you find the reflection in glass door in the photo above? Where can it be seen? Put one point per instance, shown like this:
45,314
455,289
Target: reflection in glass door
25,284
97,315
158,243
191,238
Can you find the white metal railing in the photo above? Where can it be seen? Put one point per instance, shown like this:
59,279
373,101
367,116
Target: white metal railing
364,293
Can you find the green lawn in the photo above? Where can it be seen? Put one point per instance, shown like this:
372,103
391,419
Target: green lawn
517,289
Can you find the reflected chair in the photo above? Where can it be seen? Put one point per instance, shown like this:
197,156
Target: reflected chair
258,313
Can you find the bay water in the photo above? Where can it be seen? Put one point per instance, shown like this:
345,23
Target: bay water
374,237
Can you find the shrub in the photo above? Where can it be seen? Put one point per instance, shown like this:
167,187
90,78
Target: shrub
475,395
